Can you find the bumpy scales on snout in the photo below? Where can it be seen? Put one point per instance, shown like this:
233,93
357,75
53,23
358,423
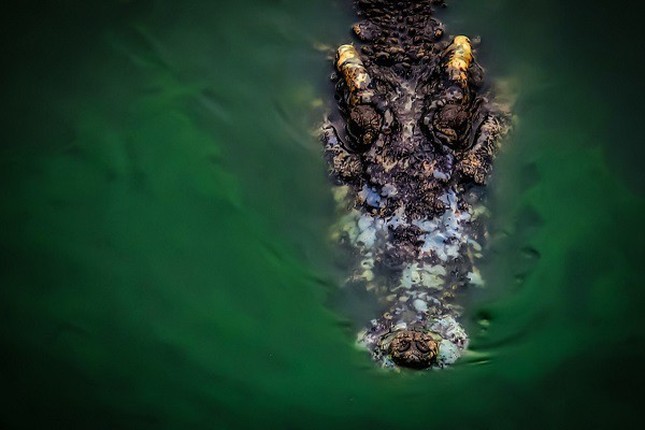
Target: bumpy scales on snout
410,146
414,349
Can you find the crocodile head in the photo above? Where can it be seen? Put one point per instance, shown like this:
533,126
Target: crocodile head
411,140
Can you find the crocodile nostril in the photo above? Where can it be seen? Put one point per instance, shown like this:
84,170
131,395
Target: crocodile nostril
403,346
422,346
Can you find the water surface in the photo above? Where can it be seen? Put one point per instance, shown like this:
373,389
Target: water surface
164,248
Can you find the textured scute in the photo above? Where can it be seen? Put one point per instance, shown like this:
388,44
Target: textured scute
412,145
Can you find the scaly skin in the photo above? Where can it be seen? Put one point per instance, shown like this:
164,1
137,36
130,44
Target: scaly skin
411,147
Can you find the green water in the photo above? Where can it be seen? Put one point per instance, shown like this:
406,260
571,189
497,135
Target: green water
163,228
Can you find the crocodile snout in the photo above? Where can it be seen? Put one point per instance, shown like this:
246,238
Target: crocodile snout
413,349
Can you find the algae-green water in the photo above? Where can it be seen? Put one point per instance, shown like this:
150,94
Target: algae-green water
163,233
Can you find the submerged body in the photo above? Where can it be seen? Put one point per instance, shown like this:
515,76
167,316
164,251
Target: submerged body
410,149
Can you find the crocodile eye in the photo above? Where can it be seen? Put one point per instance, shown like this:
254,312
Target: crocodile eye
364,125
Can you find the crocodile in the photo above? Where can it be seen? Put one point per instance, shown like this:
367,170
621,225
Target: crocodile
410,143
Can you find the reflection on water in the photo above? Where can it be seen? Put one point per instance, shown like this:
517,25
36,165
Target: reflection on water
164,251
